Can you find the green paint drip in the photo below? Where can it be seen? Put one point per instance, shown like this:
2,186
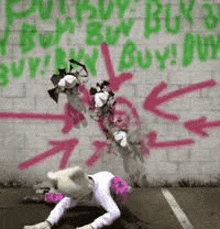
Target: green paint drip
210,21
149,17
33,63
162,57
105,14
45,9
168,18
127,58
17,68
202,47
187,12
3,76
28,31
93,32
147,63
122,6
188,49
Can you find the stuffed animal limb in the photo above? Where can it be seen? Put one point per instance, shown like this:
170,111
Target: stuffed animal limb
42,225
88,226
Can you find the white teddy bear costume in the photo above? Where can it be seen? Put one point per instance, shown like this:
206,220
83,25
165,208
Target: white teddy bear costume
82,189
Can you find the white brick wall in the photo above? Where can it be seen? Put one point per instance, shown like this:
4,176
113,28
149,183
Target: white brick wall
21,140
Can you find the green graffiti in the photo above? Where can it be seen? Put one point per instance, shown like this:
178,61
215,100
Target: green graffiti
147,63
46,60
210,21
202,47
45,10
17,68
187,12
83,5
91,61
105,14
122,6
127,58
11,14
3,75
174,53
28,31
126,27
93,32
68,25
149,17
60,59
188,49
62,7
162,57
4,41
33,63
112,35
46,40
215,46
168,18
79,55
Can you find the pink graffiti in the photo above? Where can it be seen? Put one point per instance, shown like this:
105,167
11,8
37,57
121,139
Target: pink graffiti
153,100
70,118
115,81
99,146
154,144
76,116
85,98
197,126
123,101
58,146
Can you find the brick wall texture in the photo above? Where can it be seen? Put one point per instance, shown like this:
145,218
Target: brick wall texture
174,44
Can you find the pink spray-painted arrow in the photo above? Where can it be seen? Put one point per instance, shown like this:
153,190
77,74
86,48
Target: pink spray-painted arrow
115,81
197,126
99,146
153,144
153,100
58,146
71,117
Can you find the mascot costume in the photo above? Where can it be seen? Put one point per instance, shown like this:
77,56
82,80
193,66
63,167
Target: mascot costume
102,189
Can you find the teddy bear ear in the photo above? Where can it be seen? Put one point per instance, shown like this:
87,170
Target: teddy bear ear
52,176
76,173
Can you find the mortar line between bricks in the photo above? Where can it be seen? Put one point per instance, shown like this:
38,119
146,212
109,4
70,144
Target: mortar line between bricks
178,212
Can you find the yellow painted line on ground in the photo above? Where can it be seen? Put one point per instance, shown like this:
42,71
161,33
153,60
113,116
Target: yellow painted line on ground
180,215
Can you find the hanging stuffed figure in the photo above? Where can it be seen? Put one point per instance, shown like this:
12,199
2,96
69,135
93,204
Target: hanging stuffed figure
102,100
102,189
68,83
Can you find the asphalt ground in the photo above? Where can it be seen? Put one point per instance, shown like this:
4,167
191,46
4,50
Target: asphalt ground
201,207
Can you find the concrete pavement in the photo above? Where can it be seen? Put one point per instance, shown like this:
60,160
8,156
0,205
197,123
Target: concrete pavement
200,205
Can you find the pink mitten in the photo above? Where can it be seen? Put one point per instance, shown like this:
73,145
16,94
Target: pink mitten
43,225
88,226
